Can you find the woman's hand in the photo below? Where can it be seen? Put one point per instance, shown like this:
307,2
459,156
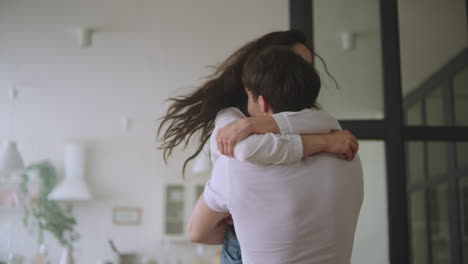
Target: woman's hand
342,142
228,136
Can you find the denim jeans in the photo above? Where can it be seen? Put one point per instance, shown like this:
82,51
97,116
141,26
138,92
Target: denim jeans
231,252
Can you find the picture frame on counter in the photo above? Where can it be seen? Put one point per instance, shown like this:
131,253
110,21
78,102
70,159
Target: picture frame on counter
123,215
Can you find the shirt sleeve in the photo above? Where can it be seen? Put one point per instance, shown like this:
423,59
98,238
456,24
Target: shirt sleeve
258,149
224,118
270,149
307,121
216,193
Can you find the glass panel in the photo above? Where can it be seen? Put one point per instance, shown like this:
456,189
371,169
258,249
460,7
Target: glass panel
462,154
440,233
418,228
464,216
371,240
174,228
431,34
435,108
460,91
415,161
437,158
198,191
174,209
414,115
347,37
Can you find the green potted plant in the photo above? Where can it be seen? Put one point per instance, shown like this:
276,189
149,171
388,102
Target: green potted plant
46,215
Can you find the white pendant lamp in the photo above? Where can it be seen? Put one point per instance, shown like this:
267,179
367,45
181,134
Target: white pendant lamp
73,187
10,158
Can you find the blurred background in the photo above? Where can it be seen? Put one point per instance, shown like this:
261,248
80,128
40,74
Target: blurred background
83,83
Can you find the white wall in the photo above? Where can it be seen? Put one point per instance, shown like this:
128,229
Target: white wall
143,52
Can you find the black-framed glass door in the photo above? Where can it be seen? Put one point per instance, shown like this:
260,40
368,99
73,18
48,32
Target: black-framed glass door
434,66
402,65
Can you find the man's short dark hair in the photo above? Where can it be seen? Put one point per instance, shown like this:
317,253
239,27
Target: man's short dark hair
283,78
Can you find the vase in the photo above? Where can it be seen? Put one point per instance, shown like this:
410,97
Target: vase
67,256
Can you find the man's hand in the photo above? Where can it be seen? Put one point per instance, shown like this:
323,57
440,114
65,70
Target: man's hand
342,142
229,220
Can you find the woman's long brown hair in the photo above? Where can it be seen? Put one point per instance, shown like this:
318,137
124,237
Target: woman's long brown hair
194,114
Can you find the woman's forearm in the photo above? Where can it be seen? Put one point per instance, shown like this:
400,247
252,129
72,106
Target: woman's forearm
313,144
338,142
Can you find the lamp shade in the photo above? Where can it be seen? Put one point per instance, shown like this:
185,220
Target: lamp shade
10,159
73,187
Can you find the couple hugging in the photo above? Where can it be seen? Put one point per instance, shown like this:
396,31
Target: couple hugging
286,184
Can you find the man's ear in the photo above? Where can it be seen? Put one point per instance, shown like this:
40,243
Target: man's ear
264,105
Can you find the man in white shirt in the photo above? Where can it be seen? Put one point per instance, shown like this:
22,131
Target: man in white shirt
304,212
